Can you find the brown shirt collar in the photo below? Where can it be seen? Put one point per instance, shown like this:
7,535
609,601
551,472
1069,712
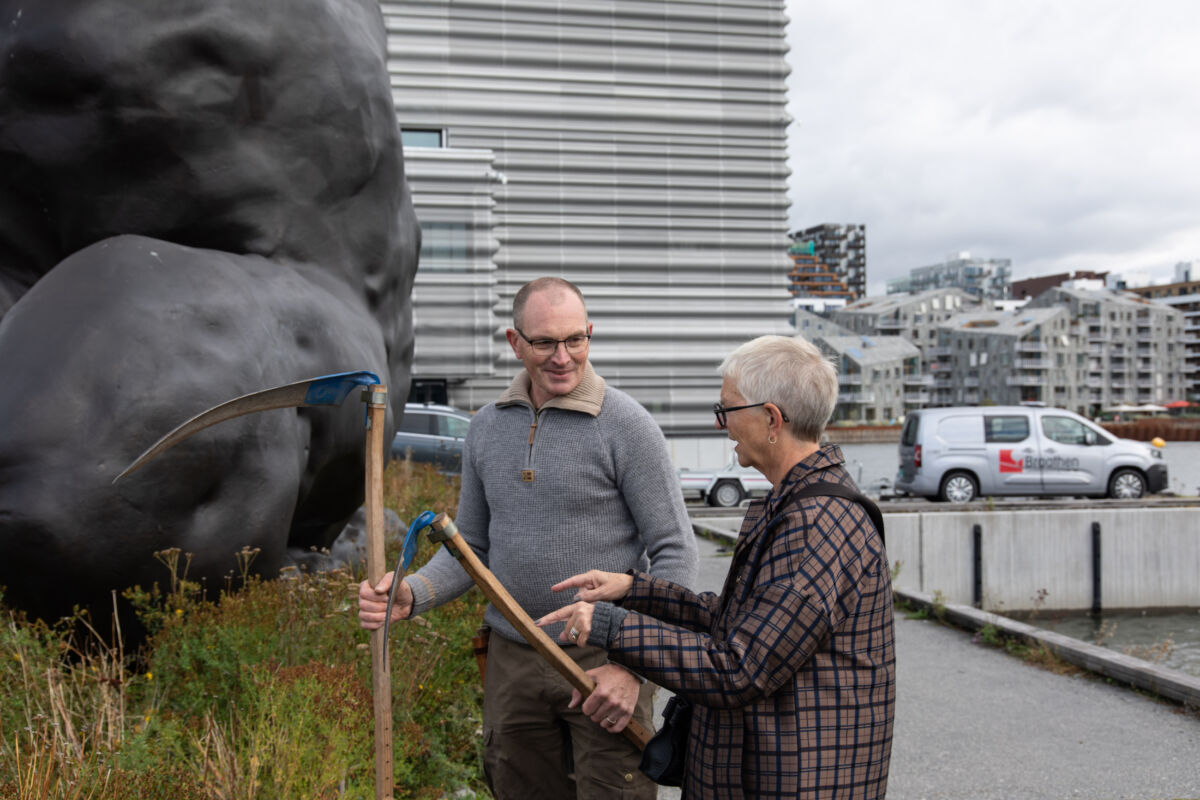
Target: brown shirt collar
587,397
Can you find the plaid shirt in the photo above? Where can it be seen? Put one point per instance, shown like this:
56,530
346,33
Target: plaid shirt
792,668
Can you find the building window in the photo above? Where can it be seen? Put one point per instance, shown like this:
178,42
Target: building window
444,246
422,137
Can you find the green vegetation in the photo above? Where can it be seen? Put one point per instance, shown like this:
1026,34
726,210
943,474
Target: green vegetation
264,693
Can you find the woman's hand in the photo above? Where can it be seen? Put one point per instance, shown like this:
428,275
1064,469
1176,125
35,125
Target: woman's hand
595,585
578,617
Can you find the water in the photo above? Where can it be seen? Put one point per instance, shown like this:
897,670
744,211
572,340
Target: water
1170,640
869,463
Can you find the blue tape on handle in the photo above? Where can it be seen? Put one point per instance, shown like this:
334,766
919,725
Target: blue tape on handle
406,556
410,541
331,390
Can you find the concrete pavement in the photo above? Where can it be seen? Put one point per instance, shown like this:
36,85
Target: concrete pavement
974,722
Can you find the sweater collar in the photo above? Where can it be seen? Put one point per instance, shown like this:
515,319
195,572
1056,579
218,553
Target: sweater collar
587,397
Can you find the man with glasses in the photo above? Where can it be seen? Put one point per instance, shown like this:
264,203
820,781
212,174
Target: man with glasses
561,474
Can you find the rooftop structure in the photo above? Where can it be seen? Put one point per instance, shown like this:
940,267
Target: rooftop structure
1032,287
982,278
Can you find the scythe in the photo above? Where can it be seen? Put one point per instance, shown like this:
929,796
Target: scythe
327,390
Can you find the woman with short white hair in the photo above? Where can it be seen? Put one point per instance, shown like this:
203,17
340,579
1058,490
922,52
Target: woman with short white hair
791,669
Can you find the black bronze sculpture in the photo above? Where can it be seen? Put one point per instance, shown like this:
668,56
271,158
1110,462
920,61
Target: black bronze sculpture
197,200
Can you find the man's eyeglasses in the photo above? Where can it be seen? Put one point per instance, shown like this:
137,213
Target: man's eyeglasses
546,347
721,411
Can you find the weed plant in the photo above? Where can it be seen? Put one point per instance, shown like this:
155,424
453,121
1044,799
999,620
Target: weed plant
263,692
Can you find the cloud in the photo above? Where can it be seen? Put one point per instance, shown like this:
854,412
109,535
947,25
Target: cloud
1059,135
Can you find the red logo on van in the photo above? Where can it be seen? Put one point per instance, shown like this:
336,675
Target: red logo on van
1010,464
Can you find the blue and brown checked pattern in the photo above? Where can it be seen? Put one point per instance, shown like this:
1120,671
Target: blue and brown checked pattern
792,668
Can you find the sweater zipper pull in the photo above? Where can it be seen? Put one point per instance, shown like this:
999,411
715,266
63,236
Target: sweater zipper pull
527,474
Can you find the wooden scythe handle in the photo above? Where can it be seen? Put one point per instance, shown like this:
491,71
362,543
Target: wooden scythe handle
446,532
381,674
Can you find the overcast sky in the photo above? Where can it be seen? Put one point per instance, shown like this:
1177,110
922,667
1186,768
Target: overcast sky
1063,134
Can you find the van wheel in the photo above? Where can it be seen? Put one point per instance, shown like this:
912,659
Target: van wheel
959,487
725,494
1126,484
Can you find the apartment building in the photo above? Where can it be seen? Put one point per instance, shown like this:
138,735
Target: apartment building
1135,349
1183,294
913,316
1006,358
982,278
879,377
842,248
636,149
811,278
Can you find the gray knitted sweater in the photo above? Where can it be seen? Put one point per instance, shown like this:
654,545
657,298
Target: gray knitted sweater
603,495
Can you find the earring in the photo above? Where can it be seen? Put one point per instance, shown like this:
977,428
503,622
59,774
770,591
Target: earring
771,440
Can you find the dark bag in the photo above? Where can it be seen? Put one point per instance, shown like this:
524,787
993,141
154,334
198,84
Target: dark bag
662,759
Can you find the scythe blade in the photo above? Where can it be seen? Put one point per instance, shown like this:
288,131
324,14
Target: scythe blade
326,390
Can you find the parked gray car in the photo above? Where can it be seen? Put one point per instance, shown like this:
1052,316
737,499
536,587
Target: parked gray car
959,454
432,434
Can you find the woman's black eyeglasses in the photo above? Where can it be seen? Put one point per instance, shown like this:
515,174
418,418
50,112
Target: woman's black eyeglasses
721,411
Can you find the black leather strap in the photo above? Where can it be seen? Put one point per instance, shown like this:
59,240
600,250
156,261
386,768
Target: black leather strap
825,489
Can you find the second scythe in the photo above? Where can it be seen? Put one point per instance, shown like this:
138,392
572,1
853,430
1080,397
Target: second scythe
443,530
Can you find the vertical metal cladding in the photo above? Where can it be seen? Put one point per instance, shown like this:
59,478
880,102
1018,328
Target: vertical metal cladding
643,153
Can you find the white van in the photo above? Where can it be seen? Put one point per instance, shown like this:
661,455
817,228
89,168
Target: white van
959,454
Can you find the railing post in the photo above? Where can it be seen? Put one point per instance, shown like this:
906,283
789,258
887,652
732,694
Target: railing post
977,558
1096,563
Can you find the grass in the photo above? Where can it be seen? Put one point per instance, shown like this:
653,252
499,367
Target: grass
262,693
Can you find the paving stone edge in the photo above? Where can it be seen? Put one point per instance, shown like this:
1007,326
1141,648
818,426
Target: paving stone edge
1162,681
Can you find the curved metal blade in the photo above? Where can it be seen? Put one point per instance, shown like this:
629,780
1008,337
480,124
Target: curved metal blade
326,390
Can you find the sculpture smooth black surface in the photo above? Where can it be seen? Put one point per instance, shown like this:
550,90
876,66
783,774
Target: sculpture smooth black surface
197,200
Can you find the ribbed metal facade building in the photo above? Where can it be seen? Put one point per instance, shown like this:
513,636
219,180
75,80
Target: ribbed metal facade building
635,148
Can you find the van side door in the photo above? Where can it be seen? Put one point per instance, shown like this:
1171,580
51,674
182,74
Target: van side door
1072,459
1012,448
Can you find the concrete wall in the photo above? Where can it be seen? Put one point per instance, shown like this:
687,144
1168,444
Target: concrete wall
1150,558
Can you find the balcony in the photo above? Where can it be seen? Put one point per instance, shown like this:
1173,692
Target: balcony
938,352
1024,380
850,379
971,398
1031,347
1030,363
916,398
971,383
856,398
918,380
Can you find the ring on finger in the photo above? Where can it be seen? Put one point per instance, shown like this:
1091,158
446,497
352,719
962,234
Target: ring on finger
574,634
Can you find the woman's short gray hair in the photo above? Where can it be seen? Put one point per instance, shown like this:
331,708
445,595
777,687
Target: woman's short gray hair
791,373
